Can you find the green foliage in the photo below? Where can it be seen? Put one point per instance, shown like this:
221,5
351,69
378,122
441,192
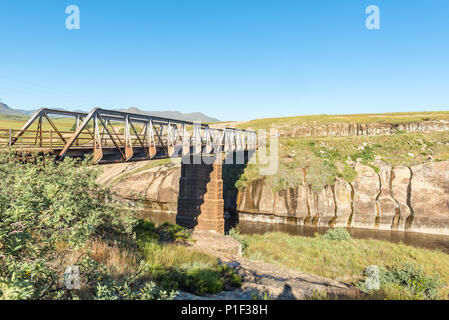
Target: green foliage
366,153
413,279
404,282
169,232
173,266
231,175
337,234
132,289
49,213
235,234
348,174
12,288
147,233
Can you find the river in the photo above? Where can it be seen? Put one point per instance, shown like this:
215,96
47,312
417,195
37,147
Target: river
421,240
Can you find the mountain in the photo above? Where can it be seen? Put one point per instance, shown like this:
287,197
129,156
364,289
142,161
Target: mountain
5,110
193,116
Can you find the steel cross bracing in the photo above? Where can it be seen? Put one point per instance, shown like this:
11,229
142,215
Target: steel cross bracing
115,136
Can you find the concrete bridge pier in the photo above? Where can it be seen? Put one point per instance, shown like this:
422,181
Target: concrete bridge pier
200,202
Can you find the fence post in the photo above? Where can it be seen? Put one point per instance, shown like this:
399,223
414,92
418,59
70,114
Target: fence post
10,138
51,140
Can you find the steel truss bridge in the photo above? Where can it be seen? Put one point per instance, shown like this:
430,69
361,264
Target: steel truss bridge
114,136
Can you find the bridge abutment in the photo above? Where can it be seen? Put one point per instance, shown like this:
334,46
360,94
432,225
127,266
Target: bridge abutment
200,202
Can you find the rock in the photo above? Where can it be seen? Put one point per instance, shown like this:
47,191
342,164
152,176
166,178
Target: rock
213,242
266,199
353,129
158,187
282,203
430,198
366,188
387,200
399,189
326,207
302,210
387,206
343,201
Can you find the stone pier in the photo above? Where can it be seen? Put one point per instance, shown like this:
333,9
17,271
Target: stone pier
200,201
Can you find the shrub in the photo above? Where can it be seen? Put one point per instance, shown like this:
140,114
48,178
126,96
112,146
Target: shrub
414,279
169,232
14,289
146,232
337,234
50,214
405,282
173,266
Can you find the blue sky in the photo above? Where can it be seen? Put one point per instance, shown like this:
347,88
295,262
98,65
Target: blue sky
231,59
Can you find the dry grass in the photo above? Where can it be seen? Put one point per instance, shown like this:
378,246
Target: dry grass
179,256
120,261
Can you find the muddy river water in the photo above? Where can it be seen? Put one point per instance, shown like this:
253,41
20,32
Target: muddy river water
428,241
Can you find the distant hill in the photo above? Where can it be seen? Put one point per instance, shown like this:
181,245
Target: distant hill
194,116
5,110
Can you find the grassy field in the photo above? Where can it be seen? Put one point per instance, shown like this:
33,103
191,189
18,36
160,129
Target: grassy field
398,117
15,123
329,157
326,158
346,260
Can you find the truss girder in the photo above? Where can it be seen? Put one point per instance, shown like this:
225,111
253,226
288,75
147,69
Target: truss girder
127,134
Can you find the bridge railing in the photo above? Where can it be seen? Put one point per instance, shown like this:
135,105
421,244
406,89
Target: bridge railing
125,133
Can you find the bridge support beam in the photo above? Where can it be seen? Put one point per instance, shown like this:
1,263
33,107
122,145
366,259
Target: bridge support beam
200,201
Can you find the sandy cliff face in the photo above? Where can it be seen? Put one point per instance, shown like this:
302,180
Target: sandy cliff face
400,198
157,187
353,129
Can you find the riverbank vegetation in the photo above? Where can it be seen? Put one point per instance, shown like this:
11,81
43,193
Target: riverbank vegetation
63,237
326,158
405,272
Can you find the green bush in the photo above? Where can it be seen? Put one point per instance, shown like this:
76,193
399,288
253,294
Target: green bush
414,279
49,213
405,282
202,281
169,232
172,266
146,232
14,289
130,289
337,234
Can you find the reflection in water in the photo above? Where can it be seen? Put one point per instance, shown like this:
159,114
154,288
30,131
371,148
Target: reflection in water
429,241
157,217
